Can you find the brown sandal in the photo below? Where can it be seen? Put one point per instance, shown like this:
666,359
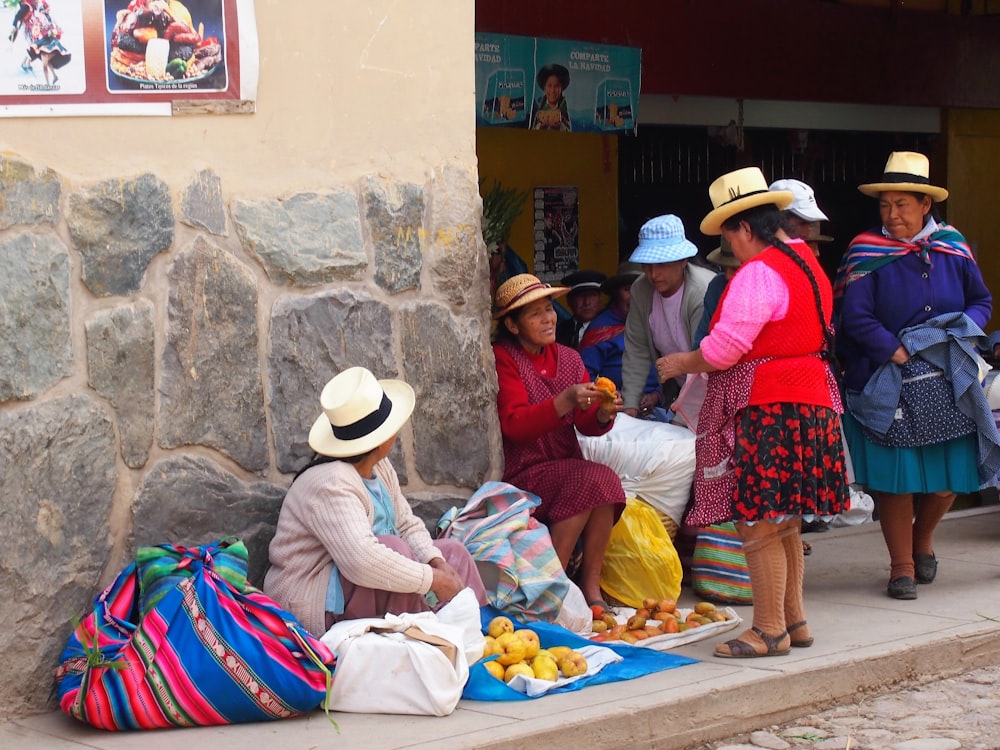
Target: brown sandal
805,642
742,650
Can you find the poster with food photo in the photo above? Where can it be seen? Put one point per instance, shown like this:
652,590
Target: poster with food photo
165,45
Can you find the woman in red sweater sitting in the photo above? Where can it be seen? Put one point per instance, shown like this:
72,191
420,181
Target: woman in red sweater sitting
769,454
545,392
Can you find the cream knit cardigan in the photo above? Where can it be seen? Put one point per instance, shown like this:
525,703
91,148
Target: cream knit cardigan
327,515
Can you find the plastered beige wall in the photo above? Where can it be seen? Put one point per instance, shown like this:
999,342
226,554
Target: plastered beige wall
346,89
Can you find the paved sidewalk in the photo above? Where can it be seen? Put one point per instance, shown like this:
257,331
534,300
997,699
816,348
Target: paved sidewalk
865,643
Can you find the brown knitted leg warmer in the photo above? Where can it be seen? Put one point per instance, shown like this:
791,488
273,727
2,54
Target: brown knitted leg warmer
931,508
895,515
766,563
795,565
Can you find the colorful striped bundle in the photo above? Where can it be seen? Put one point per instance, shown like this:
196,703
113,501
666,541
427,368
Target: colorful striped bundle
205,652
497,527
719,567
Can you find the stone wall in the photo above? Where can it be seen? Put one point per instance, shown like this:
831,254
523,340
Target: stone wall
162,350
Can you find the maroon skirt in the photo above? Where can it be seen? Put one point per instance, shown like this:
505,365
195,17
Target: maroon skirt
569,486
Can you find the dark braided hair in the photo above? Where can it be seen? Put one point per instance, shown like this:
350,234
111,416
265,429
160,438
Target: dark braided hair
764,222
318,459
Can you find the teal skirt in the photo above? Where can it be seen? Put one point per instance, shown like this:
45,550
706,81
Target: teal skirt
952,465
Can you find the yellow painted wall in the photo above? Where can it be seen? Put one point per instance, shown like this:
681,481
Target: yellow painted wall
526,159
974,185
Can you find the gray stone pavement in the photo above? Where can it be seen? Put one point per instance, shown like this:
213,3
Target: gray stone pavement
868,647
939,714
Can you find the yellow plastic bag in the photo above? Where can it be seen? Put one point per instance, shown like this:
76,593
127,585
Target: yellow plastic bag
640,562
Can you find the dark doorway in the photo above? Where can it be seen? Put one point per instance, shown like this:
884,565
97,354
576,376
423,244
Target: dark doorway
667,169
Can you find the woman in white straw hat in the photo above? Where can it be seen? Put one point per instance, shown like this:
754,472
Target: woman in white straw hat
545,392
769,453
912,281
347,544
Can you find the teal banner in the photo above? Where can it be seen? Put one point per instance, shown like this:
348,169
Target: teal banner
554,84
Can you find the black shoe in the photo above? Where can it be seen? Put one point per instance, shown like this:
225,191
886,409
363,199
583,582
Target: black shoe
925,566
815,526
903,587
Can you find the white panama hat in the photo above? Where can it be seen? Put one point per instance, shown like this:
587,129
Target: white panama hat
359,413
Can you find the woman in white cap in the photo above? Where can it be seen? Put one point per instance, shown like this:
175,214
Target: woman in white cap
347,544
666,308
910,278
769,453
545,392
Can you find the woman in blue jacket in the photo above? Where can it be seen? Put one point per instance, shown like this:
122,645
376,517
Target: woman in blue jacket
904,277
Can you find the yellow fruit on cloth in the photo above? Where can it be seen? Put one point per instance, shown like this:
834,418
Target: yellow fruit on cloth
490,647
545,668
558,652
495,668
512,649
516,669
573,664
499,625
530,638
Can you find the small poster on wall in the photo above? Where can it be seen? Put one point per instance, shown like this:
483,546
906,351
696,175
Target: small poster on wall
557,232
556,84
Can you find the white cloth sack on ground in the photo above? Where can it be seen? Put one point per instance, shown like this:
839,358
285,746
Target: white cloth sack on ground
404,664
860,511
654,460
575,615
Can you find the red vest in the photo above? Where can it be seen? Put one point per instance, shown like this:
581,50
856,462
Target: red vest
796,374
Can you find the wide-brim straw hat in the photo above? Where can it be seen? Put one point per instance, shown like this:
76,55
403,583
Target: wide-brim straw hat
521,290
359,413
908,172
738,191
723,256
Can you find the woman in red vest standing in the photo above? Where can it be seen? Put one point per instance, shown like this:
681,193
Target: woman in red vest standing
770,453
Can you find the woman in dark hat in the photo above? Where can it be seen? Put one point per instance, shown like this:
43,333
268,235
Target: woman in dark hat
551,112
545,395
907,282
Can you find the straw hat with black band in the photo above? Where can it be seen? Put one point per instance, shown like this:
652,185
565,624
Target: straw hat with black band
521,290
359,413
907,172
738,191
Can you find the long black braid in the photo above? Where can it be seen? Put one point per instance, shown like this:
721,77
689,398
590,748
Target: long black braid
764,221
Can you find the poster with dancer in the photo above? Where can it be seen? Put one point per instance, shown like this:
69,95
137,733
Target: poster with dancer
557,232
43,54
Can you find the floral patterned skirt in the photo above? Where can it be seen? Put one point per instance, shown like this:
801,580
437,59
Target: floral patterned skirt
788,461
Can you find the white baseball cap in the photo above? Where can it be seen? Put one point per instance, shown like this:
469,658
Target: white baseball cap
804,202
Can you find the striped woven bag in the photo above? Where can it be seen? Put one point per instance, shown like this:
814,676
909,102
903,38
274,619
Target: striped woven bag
203,652
719,567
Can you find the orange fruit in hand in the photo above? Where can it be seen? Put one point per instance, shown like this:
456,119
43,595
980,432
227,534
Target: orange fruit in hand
607,387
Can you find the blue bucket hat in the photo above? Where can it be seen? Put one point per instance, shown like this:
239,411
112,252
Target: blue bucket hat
662,240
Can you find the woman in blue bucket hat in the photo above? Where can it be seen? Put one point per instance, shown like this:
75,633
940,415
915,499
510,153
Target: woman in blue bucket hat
667,303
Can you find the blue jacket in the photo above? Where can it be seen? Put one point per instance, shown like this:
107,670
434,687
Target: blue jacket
605,358
949,343
902,294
